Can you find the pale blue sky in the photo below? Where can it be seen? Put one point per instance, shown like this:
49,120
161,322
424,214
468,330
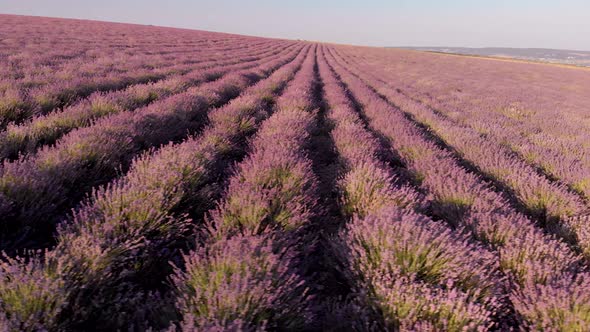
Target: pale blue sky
476,23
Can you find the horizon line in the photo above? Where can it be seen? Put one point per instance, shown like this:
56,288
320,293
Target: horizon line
283,38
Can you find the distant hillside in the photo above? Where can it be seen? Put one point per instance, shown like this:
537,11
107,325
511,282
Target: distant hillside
578,58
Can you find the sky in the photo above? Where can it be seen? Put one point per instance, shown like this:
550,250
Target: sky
563,24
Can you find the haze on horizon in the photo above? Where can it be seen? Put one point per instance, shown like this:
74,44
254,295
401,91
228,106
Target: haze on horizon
455,23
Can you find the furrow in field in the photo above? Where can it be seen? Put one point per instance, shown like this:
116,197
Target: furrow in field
322,276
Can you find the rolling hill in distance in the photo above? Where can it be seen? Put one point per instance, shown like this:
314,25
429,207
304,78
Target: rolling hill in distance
569,57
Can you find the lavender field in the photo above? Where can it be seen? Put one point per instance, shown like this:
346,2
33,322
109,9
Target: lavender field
179,180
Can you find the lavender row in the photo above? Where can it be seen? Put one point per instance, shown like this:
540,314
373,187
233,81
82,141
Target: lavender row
65,38
54,47
41,76
410,273
38,188
536,264
173,65
550,203
118,242
270,182
518,118
62,41
526,133
46,129
21,67
40,95
272,194
559,155
416,273
18,105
